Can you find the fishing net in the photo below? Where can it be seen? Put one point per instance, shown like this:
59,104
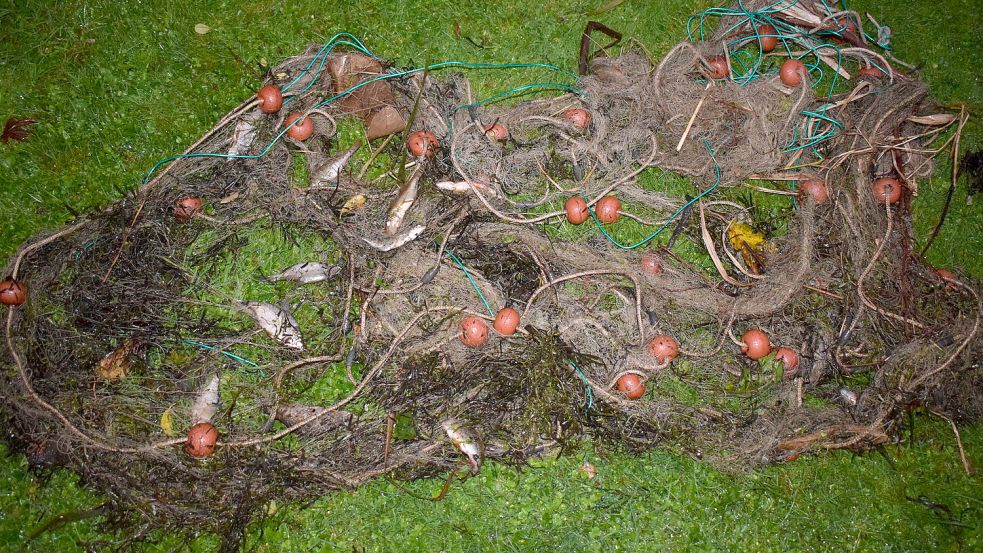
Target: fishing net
353,365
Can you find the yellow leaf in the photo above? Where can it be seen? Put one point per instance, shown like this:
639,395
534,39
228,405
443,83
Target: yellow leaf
742,235
167,423
352,204
749,242
202,29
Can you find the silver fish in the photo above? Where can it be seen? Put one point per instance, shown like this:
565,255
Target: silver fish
278,323
849,397
462,187
397,241
328,171
326,421
206,404
467,441
401,205
308,272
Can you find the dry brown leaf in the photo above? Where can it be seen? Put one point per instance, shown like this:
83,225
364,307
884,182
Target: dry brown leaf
116,365
937,119
348,70
385,122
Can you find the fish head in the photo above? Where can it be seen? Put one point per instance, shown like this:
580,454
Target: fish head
293,341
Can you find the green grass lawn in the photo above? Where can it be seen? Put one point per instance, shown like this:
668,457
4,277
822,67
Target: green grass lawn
116,86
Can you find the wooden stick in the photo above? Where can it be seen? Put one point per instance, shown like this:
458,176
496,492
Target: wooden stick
390,424
122,245
692,118
967,465
375,153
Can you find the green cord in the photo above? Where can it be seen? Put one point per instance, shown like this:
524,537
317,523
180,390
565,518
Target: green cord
589,391
223,352
471,280
387,76
517,90
716,182
748,66
323,56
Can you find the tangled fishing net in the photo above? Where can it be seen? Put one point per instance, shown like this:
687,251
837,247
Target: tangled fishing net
337,353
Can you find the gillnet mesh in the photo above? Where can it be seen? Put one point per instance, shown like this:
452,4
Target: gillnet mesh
129,327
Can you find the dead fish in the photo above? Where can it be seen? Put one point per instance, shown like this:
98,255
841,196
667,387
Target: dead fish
278,323
401,205
454,187
329,170
396,242
462,187
307,272
206,404
242,138
326,421
467,441
849,397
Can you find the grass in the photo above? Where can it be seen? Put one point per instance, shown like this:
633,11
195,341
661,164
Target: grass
913,498
116,86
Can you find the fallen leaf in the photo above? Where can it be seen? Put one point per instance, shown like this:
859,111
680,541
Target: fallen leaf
352,204
17,129
742,234
935,119
202,29
116,364
352,69
167,423
749,242
387,121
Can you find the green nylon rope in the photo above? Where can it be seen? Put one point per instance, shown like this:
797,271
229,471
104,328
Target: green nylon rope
658,231
471,280
223,352
387,76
